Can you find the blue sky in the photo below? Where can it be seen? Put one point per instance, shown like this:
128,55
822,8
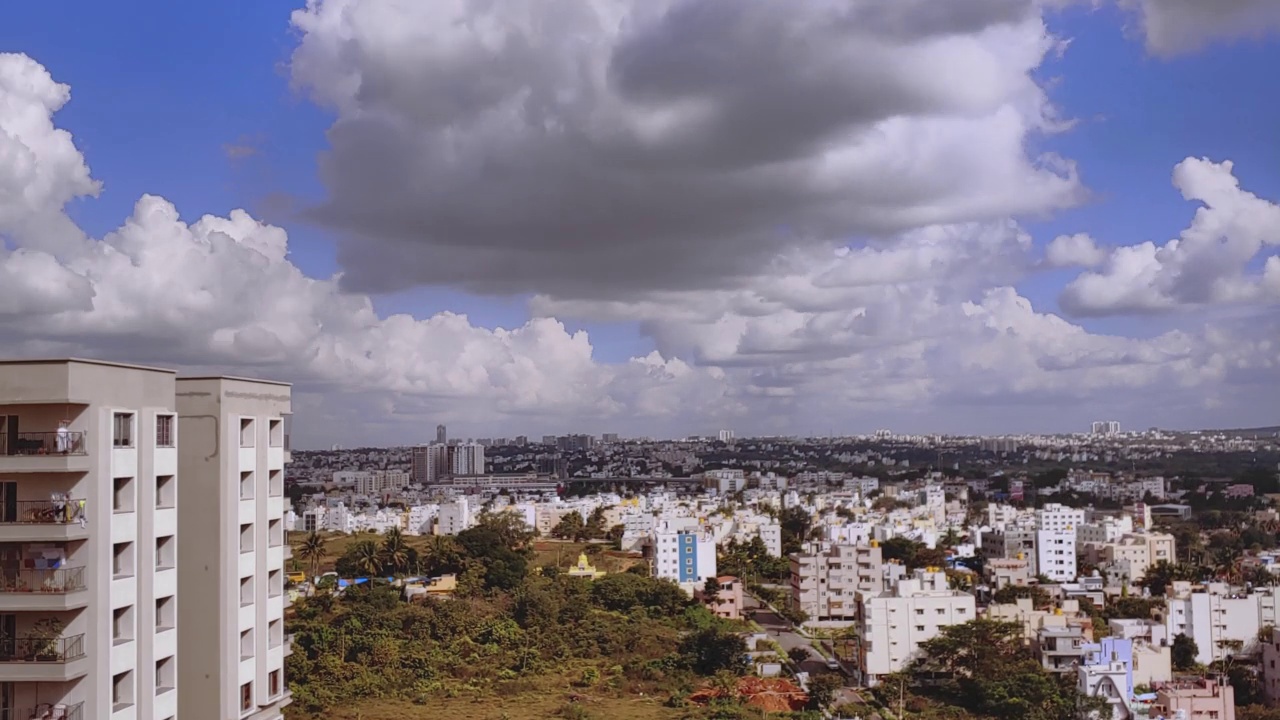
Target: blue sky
163,92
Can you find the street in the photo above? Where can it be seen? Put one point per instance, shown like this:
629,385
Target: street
782,632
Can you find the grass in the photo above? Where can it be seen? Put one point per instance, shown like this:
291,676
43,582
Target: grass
546,552
539,704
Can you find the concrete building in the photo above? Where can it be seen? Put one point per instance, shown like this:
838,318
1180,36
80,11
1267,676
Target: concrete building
1222,620
825,579
1194,699
1002,572
892,625
453,517
1060,649
1127,559
1012,544
1056,554
88,541
232,551
468,459
728,600
1059,517
686,557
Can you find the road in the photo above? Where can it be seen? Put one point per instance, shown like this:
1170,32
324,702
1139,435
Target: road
783,632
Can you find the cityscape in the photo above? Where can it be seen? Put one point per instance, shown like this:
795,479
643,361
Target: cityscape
640,360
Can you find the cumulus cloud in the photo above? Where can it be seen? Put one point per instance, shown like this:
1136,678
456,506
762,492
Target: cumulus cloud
1077,250
591,150
1175,27
1208,264
221,292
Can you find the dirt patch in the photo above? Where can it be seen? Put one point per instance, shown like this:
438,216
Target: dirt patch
768,694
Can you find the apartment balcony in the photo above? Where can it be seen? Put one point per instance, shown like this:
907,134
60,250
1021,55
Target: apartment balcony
35,658
42,521
46,711
44,452
42,590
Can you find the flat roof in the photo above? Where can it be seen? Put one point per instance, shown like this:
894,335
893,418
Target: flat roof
85,361
236,378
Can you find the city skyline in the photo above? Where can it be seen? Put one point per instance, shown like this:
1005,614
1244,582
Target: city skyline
1046,214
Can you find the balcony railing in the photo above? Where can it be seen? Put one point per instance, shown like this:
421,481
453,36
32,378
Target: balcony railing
46,711
64,580
44,443
42,512
39,648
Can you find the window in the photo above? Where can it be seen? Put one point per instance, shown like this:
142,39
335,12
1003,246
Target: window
122,624
275,432
246,697
166,613
246,432
166,675
275,633
246,538
166,492
122,560
275,583
122,497
166,553
276,482
275,533
122,430
246,591
122,690
273,682
164,431
246,485
246,644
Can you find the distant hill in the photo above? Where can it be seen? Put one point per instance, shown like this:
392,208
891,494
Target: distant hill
1247,432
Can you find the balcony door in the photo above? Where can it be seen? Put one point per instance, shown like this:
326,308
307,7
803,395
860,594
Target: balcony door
8,502
7,700
8,434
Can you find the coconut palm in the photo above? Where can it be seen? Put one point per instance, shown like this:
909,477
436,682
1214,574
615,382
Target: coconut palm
312,551
368,557
395,551
441,554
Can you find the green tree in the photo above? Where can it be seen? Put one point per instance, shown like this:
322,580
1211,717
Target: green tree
367,557
707,652
1183,652
570,527
1012,593
595,529
711,591
394,551
1162,574
312,551
795,523
823,691
798,655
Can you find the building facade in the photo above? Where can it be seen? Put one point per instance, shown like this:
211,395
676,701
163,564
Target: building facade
233,551
892,625
88,541
825,579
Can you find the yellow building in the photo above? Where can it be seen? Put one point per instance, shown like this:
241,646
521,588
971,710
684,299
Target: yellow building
585,569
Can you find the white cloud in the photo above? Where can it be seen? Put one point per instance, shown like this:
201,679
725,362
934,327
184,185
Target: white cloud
1176,27
589,149
1208,264
220,292
1077,250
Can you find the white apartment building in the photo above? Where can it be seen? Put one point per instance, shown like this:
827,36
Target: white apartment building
1056,554
453,517
1059,517
892,625
1220,619
826,579
377,482
1104,530
687,557
725,481
233,549
88,541
468,459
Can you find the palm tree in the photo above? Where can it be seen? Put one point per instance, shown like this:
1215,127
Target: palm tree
441,553
312,550
368,557
394,550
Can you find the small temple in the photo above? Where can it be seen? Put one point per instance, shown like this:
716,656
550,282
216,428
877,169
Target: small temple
585,569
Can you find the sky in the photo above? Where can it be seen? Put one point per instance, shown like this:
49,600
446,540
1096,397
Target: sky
657,217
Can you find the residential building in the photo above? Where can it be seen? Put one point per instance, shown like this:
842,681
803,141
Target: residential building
1011,544
1110,680
1271,667
442,435
1003,572
453,517
825,579
1056,554
1059,517
1222,620
468,459
1192,699
727,602
686,557
232,551
88,540
1060,648
891,625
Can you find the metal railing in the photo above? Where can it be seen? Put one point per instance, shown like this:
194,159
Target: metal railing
42,512
44,443
46,711
39,648
63,580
